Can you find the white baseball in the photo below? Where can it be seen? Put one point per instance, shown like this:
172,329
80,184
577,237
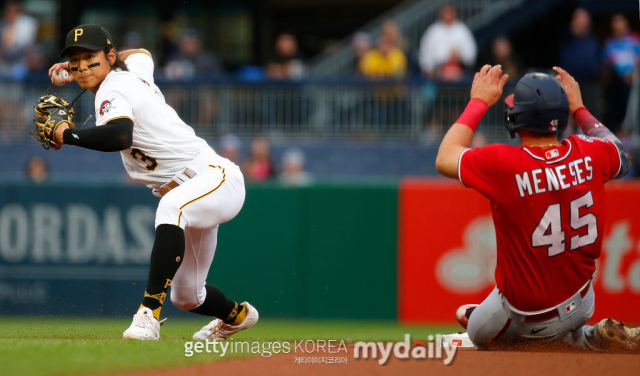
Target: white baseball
58,79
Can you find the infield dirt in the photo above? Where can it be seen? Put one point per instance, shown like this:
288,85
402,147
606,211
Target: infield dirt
466,362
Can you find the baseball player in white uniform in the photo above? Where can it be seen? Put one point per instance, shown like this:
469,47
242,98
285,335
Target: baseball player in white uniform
199,189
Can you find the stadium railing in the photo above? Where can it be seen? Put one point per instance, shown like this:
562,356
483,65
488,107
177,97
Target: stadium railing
348,107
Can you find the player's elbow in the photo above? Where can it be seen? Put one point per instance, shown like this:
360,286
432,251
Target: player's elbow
121,130
144,51
441,164
122,141
446,166
625,162
126,140
124,55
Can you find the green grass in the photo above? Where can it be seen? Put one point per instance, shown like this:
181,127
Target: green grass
78,346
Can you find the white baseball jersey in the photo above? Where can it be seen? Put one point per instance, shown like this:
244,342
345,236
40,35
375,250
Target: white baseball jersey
163,146
162,143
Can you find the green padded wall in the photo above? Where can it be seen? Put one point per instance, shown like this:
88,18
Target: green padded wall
327,251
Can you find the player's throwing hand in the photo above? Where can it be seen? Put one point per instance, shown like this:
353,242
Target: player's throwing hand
56,68
488,84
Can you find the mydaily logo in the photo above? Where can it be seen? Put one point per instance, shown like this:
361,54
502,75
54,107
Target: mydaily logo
406,350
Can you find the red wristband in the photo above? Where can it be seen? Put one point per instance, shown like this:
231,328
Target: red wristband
473,113
578,109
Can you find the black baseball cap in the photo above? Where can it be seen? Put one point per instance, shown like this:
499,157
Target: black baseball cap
89,36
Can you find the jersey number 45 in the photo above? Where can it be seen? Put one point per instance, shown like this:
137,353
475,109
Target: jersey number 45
549,230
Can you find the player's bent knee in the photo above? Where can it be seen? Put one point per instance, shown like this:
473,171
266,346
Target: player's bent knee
184,300
185,305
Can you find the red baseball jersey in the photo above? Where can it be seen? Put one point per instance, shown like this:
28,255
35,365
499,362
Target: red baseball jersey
548,211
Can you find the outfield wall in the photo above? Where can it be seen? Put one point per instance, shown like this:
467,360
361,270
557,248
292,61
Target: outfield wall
413,251
327,251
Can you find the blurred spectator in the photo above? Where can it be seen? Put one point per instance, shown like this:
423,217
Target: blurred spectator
259,166
168,47
37,170
18,32
132,41
502,53
451,70
385,61
447,42
579,51
230,145
621,54
191,60
35,64
293,172
580,55
188,63
391,32
287,62
361,44
623,48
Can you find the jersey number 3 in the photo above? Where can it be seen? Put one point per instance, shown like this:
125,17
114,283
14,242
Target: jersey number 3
151,162
549,230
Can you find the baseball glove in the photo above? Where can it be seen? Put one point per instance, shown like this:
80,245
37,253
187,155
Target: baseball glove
51,110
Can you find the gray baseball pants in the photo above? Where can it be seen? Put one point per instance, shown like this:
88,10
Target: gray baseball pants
495,320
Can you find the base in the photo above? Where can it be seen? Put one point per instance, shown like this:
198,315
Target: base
457,340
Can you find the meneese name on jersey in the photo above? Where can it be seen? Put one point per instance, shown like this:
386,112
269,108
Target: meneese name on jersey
533,182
